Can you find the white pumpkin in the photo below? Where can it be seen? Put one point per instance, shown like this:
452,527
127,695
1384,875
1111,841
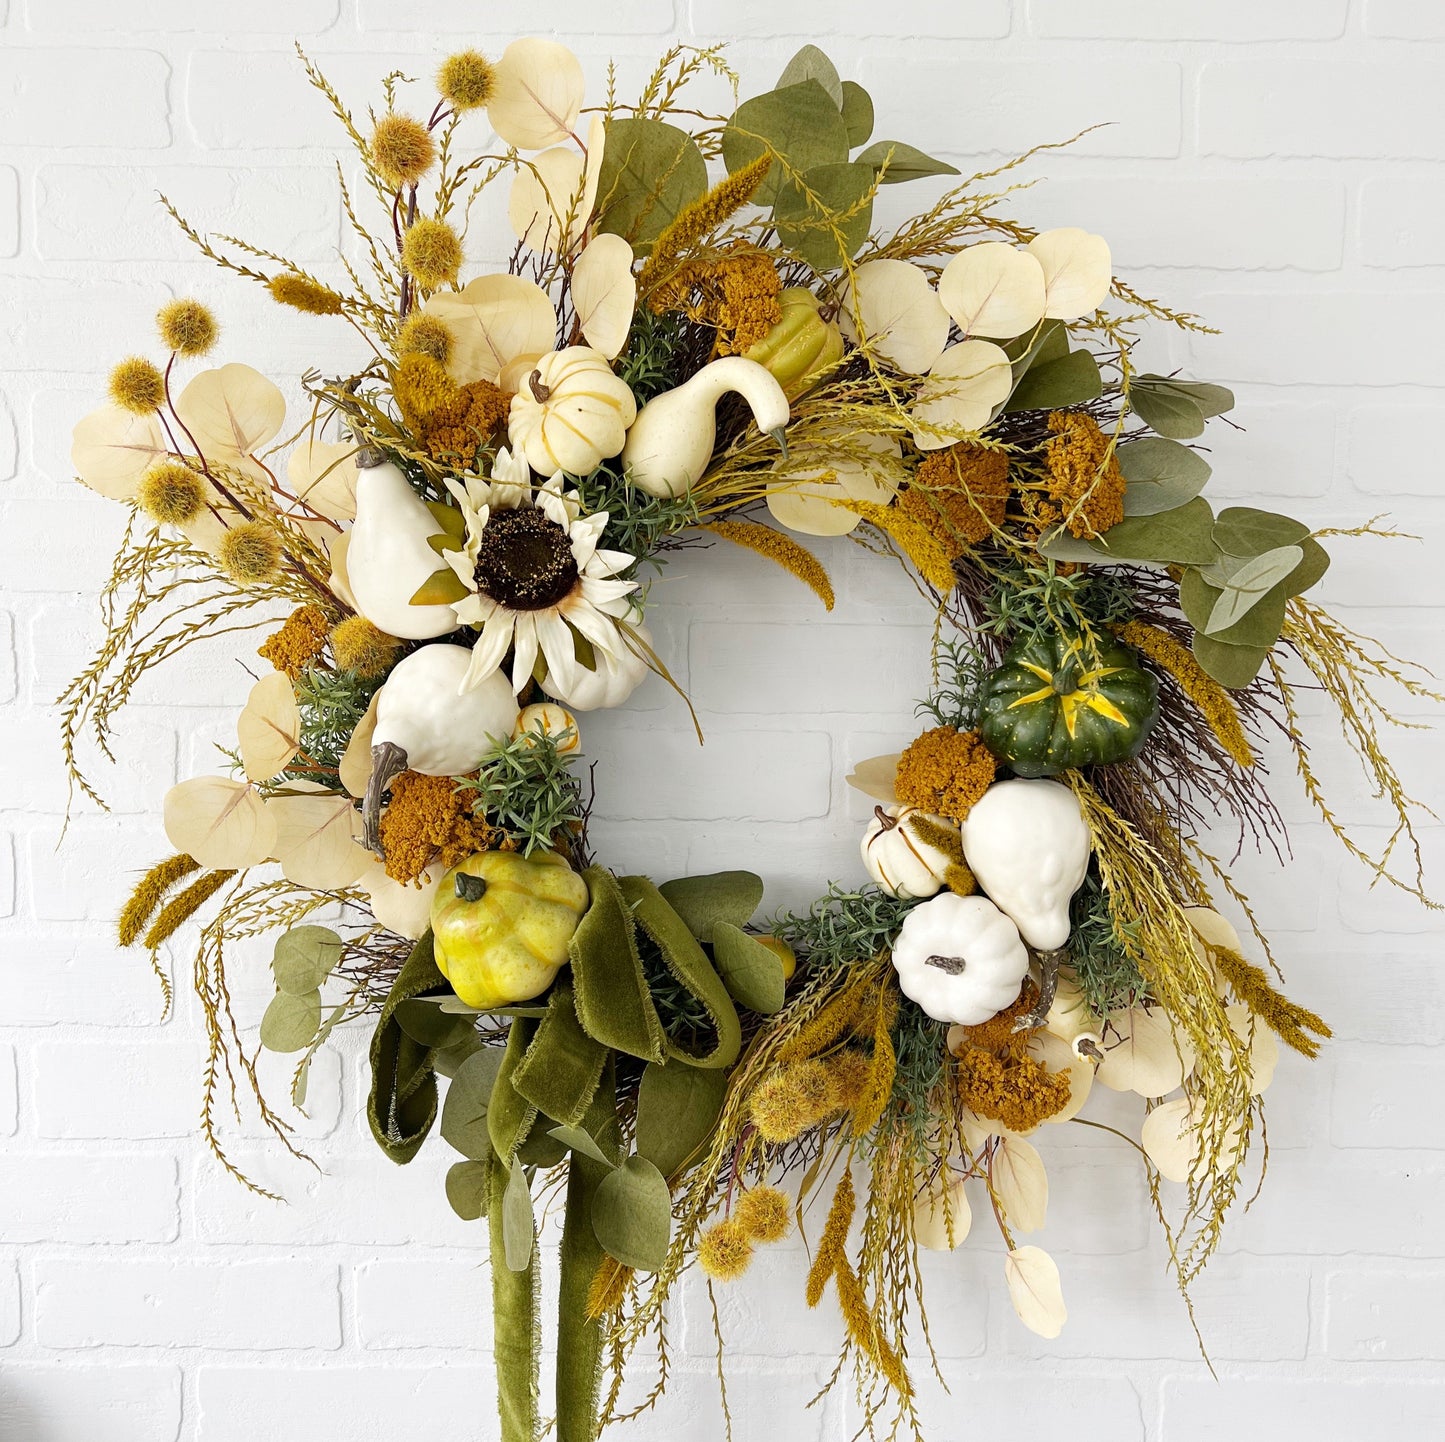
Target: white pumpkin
546,718
898,859
960,958
1028,846
388,556
571,413
614,680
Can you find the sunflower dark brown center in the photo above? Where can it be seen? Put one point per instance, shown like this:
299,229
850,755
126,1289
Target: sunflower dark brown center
524,561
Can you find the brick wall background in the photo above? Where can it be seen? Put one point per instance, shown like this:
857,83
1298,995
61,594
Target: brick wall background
1276,164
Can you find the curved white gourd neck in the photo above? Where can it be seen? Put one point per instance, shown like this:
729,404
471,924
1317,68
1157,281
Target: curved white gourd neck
751,381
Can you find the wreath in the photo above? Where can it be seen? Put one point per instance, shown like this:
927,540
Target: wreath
702,336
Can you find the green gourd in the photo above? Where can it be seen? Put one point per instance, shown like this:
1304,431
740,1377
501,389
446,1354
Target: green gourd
1058,701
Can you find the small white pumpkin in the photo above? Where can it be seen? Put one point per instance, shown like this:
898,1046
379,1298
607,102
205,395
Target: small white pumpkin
571,413
898,859
615,678
1028,846
546,718
960,958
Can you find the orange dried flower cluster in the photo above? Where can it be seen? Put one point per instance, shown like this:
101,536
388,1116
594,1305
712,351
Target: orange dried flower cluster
739,295
1011,1088
429,819
945,771
960,494
301,639
459,427
1082,477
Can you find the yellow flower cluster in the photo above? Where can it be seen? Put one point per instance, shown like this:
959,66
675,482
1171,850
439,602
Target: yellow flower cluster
302,293
945,771
187,327
739,295
959,494
301,639
1082,477
429,820
423,334
458,428
998,1079
137,386
467,80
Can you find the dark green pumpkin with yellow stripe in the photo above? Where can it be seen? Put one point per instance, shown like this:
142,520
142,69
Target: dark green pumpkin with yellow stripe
1060,701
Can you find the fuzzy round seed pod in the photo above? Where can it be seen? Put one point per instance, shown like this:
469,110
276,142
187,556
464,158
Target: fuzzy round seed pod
249,553
171,493
359,646
187,327
423,334
765,1213
402,149
467,79
849,1073
790,1101
431,251
137,386
303,294
724,1250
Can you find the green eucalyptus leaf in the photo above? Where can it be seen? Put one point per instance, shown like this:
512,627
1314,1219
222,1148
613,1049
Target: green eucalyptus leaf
1060,545
447,1061
290,1022
304,957
541,1149
468,1187
1245,531
1249,583
1181,536
857,113
1160,475
807,213
703,901
650,172
577,1140
752,974
811,64
1211,400
801,123
1166,411
1068,381
677,1108
519,1229
894,162
1047,342
632,1215
1234,667
426,1022
464,1113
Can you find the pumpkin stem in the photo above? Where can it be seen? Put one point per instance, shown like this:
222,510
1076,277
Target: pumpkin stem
1049,962
953,965
886,821
1066,679
470,888
387,761
541,391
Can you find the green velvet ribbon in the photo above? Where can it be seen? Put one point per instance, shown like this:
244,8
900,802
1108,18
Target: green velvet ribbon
402,1106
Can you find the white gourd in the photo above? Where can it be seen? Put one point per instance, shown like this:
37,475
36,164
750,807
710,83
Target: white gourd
387,555
672,439
425,722
960,958
571,413
898,859
615,678
1028,846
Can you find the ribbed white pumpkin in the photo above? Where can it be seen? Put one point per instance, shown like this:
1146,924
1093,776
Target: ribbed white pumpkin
571,413
960,958
615,678
898,859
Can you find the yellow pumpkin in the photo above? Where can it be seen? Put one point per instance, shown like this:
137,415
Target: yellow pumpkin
501,923
800,346
571,413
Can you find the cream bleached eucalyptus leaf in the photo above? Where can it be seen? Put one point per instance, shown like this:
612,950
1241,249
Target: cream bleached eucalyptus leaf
960,392
1260,1043
401,906
316,840
112,448
942,1217
1035,1290
604,292
877,777
222,824
538,93
1078,271
231,411
269,727
892,305
322,475
992,289
1168,1139
494,320
545,205
355,766
1143,1054
1020,1184
818,476
1054,1054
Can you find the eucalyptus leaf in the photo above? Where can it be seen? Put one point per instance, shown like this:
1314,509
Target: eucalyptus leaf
304,957
703,901
752,974
447,1061
468,1184
1250,583
1211,400
541,1149
1060,545
1047,342
464,1112
632,1215
1167,412
801,123
1245,531
1160,474
894,162
519,1229
677,1107
811,64
1181,536
650,171
857,113
1068,381
576,1140
1260,625
1234,667
806,213
290,1022
426,1022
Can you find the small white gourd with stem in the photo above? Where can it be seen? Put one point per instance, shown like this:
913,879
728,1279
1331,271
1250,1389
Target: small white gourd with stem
671,442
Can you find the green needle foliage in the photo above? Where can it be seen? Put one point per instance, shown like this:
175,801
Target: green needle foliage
332,703
527,788
1106,971
843,927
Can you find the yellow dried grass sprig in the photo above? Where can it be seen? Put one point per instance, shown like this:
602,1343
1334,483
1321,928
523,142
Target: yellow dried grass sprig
781,550
148,894
179,910
832,1245
1289,1021
914,540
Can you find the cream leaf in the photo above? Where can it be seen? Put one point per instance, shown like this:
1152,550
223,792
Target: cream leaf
1078,271
538,93
112,448
993,290
1144,1055
269,727
223,824
942,1217
892,305
958,395
316,840
1021,1184
231,411
604,291
1035,1290
494,320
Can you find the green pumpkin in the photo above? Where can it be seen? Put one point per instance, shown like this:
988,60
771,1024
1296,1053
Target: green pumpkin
1056,703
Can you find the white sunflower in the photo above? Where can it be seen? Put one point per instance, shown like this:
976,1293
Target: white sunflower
536,578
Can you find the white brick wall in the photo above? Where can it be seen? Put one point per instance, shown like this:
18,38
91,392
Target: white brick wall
1274,163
